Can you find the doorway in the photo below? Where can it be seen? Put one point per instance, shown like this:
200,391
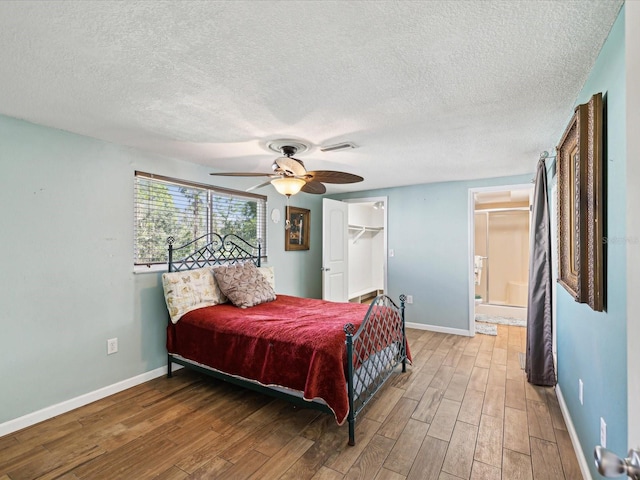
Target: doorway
499,254
367,248
363,239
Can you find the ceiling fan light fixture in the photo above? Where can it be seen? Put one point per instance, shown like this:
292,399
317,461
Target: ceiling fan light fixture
288,185
298,146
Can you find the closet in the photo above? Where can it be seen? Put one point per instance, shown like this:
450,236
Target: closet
366,250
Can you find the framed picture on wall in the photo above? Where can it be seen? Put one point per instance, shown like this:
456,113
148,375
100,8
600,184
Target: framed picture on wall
581,205
296,236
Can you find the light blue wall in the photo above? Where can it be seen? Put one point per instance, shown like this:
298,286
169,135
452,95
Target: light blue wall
591,345
67,281
428,229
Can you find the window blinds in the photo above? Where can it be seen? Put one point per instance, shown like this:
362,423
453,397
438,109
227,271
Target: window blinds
166,207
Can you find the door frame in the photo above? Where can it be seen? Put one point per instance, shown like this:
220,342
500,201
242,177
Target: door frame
472,239
385,231
632,48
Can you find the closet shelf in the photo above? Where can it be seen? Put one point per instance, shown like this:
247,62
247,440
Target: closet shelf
362,229
366,227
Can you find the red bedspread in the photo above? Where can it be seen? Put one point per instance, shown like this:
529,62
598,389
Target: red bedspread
292,342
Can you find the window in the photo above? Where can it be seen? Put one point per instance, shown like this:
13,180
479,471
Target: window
165,207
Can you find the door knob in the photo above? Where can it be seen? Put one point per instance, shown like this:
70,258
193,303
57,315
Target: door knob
324,269
610,465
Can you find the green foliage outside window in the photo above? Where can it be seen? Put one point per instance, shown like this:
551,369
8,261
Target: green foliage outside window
187,212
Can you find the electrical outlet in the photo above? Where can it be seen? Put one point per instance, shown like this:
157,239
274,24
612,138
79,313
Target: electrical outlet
112,346
603,433
409,298
581,391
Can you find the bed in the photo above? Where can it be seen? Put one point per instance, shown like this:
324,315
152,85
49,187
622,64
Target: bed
325,355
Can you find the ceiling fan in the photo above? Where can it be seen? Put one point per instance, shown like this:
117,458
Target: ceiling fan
290,176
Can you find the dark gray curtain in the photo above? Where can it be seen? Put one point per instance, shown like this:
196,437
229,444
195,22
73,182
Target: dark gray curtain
539,358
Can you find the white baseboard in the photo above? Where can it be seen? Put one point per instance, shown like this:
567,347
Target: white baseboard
575,441
63,407
437,328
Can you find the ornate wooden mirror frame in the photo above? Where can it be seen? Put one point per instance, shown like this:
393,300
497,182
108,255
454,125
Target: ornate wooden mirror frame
580,205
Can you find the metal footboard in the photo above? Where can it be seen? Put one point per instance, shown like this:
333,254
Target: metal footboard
373,353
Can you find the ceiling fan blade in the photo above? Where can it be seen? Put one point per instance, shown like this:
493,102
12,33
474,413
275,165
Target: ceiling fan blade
314,187
241,174
331,176
289,166
264,184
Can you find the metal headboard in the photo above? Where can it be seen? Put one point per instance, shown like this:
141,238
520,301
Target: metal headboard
212,249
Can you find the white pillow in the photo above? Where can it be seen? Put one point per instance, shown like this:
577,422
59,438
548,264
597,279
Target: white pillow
188,290
269,274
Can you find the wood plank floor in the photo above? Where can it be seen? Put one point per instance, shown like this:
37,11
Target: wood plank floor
463,411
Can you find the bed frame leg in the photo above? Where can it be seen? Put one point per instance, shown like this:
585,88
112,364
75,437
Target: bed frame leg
169,364
403,299
352,430
349,330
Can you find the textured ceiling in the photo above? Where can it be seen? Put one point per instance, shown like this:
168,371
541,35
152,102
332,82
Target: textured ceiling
429,91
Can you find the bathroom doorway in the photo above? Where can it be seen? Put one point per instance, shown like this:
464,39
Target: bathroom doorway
500,223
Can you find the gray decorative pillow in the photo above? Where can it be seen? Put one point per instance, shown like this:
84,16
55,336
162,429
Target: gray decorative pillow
244,285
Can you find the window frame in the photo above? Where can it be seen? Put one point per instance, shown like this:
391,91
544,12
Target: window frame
212,190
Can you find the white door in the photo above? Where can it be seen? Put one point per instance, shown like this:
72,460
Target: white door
335,264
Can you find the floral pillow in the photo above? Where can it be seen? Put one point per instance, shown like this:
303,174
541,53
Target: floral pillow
188,290
244,285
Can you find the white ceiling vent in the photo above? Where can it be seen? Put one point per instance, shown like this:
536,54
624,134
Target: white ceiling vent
338,146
